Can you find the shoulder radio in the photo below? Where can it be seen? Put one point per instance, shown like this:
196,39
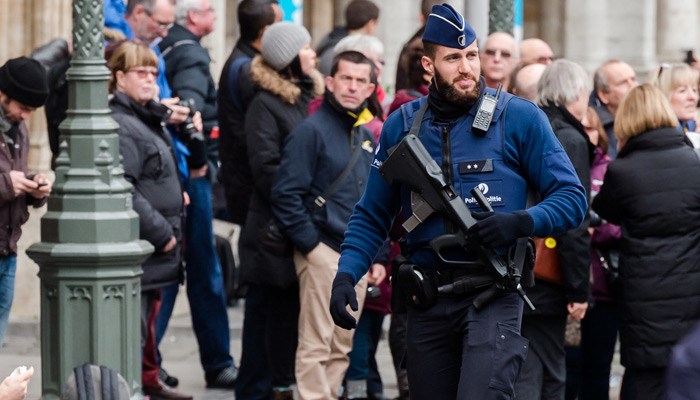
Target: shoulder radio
484,114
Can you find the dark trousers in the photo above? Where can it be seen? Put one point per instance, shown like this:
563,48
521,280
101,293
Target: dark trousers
649,383
458,352
543,375
363,363
397,345
205,285
269,341
598,337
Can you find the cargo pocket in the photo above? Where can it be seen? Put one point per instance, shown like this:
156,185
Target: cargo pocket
511,350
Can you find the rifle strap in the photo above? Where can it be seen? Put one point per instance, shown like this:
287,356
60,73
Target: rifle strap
519,255
418,119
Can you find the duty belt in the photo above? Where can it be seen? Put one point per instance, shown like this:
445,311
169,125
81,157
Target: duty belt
456,281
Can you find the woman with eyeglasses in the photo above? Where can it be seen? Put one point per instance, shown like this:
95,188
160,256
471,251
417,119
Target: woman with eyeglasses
679,82
150,166
652,190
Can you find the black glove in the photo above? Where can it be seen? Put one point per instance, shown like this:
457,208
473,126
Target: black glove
501,229
342,294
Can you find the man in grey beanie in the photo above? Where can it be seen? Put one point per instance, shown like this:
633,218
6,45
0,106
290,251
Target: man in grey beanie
23,88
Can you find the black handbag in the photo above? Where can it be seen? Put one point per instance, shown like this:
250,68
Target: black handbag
275,241
610,261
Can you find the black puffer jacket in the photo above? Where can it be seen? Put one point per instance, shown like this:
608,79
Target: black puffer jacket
187,70
276,109
149,165
234,173
573,246
652,190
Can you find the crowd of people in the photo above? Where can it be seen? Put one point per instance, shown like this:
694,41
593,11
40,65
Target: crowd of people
597,170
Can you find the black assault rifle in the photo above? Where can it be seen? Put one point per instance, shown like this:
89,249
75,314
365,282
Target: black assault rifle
409,163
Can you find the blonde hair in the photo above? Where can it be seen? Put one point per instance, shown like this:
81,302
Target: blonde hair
644,108
668,77
128,55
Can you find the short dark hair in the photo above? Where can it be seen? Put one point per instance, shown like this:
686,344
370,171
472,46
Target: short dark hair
430,49
416,72
354,57
253,16
359,12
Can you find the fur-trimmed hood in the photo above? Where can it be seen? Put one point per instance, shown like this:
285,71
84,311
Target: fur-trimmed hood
270,80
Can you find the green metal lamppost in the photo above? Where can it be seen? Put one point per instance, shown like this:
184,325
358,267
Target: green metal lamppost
89,256
501,16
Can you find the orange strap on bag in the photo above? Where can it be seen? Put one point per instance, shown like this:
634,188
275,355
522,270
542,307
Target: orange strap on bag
547,261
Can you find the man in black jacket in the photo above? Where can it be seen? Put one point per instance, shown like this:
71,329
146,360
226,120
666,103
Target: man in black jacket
314,212
187,70
236,90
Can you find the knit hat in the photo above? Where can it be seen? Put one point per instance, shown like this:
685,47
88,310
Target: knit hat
282,42
448,28
24,80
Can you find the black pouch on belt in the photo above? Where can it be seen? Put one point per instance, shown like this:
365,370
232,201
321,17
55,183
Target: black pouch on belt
416,287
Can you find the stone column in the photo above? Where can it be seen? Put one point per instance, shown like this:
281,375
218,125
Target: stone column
476,12
632,33
551,24
677,29
585,36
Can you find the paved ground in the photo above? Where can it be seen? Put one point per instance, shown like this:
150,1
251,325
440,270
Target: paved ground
179,349
181,357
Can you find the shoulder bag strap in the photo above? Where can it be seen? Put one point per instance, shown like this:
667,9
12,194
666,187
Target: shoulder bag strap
179,43
320,200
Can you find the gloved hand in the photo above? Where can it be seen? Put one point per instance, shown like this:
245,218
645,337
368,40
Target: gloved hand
342,294
501,229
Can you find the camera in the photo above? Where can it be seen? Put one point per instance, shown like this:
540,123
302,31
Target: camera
373,292
193,138
188,128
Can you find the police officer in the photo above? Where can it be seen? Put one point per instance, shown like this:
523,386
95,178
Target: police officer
454,349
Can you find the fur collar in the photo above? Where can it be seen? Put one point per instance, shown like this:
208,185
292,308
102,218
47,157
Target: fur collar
270,80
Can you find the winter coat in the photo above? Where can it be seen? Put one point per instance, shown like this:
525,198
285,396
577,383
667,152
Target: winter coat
187,69
234,173
13,210
652,190
275,111
573,246
149,165
315,154
605,237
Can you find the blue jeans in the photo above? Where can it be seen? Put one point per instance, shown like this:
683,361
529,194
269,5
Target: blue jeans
8,265
364,348
205,286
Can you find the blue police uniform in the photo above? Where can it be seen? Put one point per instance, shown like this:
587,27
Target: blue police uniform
454,350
